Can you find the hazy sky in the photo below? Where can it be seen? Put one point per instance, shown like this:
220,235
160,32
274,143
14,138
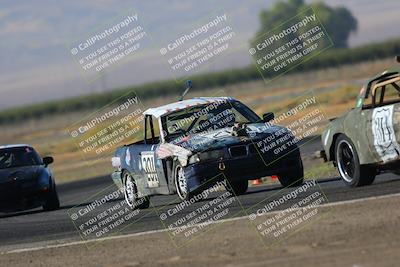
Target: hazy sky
36,62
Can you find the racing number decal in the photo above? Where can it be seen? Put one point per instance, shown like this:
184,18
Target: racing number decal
149,167
384,136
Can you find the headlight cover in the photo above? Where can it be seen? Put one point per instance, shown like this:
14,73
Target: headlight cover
194,159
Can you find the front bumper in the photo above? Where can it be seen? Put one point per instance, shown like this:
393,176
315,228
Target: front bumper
22,196
251,167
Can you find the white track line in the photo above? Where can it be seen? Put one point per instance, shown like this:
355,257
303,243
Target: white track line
165,230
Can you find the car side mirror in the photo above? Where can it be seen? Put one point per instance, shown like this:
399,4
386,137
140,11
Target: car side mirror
269,116
48,160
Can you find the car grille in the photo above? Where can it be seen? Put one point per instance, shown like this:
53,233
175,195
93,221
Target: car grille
252,149
238,151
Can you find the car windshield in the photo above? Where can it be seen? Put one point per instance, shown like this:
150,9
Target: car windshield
18,157
207,117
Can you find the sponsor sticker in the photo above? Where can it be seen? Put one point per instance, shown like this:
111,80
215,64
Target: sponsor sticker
149,168
383,133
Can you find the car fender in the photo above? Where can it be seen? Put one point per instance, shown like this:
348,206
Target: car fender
329,135
45,178
167,150
352,125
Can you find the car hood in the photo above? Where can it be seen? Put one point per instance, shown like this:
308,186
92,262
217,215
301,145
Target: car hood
223,137
25,173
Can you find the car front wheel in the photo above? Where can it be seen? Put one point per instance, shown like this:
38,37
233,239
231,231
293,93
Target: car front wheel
181,182
353,174
292,178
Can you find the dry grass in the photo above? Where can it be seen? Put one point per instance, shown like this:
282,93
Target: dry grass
335,90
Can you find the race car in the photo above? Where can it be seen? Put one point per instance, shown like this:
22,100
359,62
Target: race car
365,141
26,181
187,145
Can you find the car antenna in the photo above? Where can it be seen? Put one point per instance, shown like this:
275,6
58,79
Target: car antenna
189,86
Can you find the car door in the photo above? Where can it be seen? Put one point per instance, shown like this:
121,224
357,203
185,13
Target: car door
383,123
152,167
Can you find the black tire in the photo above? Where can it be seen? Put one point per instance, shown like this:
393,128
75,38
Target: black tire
52,202
348,164
294,178
180,181
237,187
131,193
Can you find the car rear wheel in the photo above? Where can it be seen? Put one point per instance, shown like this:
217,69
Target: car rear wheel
353,174
131,193
181,182
237,187
52,202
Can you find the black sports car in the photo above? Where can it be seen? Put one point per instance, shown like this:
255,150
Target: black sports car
25,180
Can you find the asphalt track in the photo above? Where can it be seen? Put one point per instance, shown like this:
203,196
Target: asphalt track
29,228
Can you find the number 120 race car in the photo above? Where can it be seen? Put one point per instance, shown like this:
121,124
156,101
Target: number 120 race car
188,143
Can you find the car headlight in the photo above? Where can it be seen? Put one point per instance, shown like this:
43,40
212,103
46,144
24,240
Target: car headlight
194,159
208,155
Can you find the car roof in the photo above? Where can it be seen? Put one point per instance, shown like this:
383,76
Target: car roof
170,108
14,146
